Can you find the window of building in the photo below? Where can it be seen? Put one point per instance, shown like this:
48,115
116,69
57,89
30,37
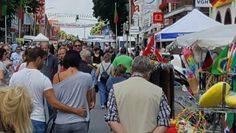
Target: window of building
218,17
228,17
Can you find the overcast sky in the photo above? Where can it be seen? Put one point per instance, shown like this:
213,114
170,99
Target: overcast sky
71,7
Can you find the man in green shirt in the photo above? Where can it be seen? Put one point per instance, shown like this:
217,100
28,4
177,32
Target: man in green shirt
123,59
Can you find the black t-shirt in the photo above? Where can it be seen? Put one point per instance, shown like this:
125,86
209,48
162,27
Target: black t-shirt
84,67
97,60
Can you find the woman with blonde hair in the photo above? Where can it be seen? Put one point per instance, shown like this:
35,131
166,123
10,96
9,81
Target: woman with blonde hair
103,71
15,109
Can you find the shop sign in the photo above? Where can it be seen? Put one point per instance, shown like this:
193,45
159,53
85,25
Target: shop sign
158,17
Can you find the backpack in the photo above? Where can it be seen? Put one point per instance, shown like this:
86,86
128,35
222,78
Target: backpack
104,75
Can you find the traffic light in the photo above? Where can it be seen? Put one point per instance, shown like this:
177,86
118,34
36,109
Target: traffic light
77,18
121,28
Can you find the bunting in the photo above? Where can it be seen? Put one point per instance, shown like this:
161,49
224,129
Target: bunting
208,62
150,49
219,3
220,63
20,10
132,7
3,7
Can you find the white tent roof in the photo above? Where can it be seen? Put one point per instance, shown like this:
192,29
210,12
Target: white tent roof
41,38
99,40
192,22
215,37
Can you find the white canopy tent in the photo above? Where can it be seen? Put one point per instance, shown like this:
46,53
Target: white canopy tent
193,22
41,38
212,38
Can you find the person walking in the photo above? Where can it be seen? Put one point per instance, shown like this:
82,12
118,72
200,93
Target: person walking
40,87
97,56
16,57
50,65
77,45
103,71
4,72
116,77
8,62
123,59
86,66
76,94
136,105
61,54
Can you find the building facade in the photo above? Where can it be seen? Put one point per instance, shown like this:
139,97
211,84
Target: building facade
143,20
225,13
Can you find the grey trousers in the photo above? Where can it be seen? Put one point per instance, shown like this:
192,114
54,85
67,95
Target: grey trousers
78,127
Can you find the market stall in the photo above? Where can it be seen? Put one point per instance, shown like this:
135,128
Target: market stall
216,95
212,38
193,22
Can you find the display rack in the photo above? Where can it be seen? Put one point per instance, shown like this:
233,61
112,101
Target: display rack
221,109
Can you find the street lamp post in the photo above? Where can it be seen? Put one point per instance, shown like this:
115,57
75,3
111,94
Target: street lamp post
5,28
84,32
20,20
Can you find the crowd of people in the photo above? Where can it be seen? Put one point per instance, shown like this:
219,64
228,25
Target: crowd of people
42,80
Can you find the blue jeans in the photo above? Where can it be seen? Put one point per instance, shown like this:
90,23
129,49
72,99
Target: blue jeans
102,92
38,126
78,127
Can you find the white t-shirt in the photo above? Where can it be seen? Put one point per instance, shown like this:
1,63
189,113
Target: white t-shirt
16,59
36,83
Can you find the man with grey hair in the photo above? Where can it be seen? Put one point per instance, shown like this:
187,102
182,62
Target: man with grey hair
136,105
87,67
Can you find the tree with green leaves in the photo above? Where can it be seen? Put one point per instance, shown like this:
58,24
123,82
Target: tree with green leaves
104,10
97,29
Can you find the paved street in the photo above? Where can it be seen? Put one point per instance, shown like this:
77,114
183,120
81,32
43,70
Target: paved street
97,124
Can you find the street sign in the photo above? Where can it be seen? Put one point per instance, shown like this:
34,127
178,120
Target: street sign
158,17
202,3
